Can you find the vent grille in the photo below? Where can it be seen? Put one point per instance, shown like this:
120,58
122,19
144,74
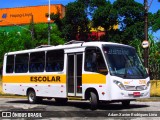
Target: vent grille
135,88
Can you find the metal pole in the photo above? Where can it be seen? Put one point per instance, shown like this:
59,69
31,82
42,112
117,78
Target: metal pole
32,28
146,50
49,34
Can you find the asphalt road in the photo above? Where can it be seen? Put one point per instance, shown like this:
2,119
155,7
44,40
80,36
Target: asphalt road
51,109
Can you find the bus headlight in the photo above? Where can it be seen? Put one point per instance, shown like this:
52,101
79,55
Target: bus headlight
119,84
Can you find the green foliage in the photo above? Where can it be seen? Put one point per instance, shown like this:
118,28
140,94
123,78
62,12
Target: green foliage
106,17
156,21
11,41
41,35
154,58
15,40
130,20
57,20
75,22
138,46
154,55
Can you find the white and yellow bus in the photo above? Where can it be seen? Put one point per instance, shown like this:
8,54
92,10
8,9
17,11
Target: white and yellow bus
94,71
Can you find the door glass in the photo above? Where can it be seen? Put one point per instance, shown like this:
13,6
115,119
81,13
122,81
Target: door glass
70,73
79,73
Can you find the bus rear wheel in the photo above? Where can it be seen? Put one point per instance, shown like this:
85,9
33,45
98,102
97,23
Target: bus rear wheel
93,100
32,97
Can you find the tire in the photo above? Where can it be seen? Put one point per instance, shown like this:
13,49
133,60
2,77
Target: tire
126,103
61,100
32,97
93,100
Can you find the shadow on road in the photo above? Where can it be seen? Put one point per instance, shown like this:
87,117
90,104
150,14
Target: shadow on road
84,105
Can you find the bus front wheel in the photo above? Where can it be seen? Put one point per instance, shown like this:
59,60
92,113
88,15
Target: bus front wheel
93,100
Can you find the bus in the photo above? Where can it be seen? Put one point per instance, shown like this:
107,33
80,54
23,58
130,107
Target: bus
92,71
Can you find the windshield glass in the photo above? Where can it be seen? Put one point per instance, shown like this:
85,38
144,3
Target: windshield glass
124,62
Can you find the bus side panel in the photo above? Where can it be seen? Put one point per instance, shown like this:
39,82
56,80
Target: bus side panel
95,81
19,84
44,90
52,90
14,88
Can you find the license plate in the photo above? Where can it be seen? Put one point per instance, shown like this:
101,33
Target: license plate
136,94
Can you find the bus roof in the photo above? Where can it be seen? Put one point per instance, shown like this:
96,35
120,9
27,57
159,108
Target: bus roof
66,46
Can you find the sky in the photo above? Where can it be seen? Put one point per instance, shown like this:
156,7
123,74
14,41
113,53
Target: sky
155,6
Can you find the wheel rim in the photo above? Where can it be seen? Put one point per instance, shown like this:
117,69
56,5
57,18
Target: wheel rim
31,97
90,99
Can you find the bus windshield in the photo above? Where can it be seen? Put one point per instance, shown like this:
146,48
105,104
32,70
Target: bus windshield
124,62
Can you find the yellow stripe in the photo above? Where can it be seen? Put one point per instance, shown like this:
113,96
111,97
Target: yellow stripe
93,79
54,79
35,79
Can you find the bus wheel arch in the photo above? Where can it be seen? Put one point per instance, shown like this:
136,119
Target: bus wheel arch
91,94
31,95
87,93
29,89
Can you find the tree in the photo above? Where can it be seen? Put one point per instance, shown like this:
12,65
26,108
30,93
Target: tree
15,40
92,5
130,20
156,21
41,34
154,56
10,41
154,59
75,22
106,17
57,20
56,17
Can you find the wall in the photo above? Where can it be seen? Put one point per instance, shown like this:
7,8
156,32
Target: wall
23,15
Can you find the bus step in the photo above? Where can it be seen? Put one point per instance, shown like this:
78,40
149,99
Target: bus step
74,98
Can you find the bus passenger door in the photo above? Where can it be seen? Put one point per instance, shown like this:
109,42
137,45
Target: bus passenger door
74,74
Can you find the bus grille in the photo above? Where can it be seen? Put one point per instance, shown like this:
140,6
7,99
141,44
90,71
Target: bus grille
135,88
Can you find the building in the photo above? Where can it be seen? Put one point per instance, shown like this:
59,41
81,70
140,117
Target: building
24,15
10,18
97,33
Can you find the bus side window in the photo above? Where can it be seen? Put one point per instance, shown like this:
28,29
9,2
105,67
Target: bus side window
54,60
94,61
21,63
37,62
10,64
101,66
90,59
